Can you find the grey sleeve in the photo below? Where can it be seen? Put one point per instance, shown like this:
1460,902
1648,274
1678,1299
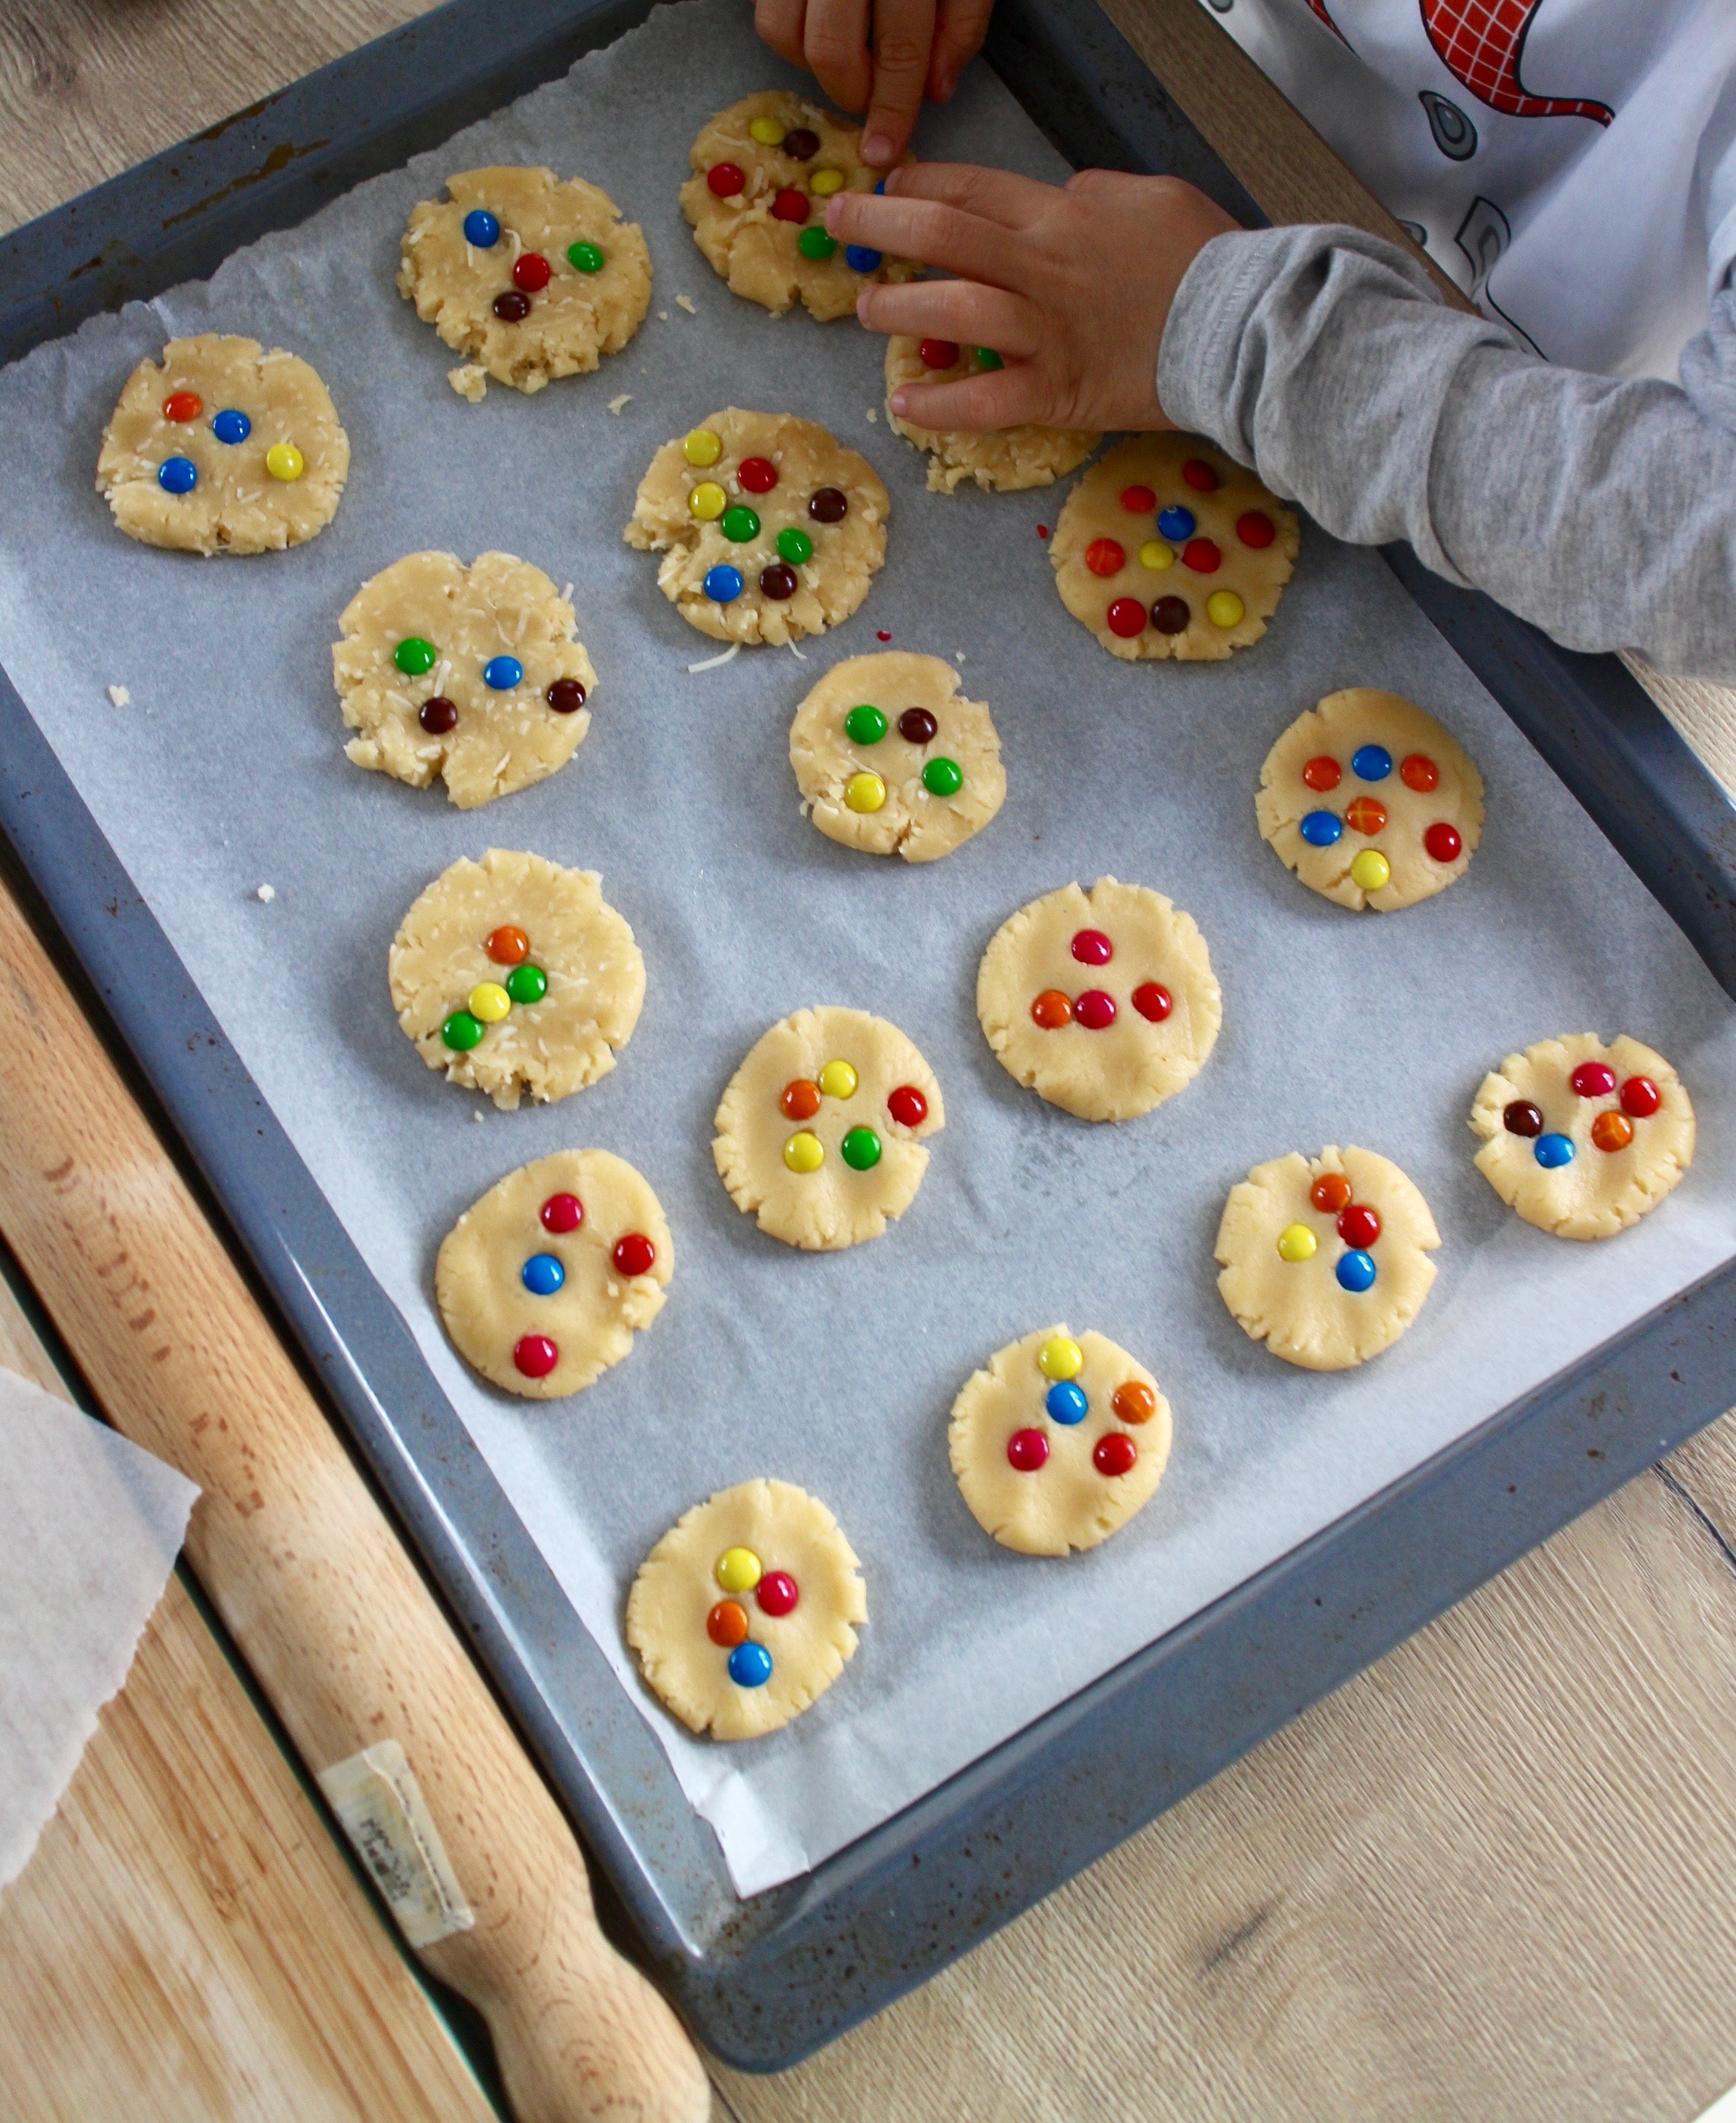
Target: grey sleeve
1604,511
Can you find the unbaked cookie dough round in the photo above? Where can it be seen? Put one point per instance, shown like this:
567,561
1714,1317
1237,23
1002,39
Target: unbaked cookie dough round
471,673
1103,1002
1059,1442
528,277
223,448
1003,460
762,172
1370,801
820,1132
770,529
1326,1261
1582,1139
1168,547
747,1609
543,1281
514,975
891,759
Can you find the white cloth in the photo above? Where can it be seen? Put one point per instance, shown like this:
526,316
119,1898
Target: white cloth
1571,163
91,1526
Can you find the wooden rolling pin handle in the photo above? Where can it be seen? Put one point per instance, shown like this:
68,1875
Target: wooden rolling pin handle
346,1640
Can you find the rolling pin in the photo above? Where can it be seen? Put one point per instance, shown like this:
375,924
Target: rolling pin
380,1696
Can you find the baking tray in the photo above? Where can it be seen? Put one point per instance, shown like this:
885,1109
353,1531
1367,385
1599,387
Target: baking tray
767,1980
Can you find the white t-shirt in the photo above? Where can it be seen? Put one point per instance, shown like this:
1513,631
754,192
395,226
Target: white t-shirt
1571,163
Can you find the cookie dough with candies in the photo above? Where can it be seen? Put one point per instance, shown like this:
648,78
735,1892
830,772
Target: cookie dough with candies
1326,1260
543,1282
472,673
1582,1139
747,1609
514,974
770,529
891,759
1003,460
1168,547
821,1131
1103,1002
762,172
222,448
1370,801
527,277
1059,1442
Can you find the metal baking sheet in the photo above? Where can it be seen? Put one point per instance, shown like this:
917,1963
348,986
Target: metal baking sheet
1024,1216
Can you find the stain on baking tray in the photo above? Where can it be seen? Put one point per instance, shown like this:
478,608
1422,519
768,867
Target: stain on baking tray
278,160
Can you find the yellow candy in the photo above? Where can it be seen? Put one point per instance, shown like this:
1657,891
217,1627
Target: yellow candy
708,501
1224,608
1371,869
865,792
805,1152
490,1001
823,183
768,132
701,448
837,1079
1157,556
1061,1358
739,1570
283,461
1295,1242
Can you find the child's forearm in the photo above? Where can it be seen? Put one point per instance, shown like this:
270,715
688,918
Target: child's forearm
1605,512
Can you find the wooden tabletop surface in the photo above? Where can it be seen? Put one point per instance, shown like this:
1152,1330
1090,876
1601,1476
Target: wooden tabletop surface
1493,1876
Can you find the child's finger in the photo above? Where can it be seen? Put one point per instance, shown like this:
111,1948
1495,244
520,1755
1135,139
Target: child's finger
995,195
938,235
779,23
960,26
957,310
835,48
1003,398
904,32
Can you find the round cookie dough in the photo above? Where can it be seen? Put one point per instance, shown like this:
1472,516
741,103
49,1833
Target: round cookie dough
1572,1156
1030,1441
1005,460
711,524
509,927
747,1609
758,248
277,483
905,791
849,1086
498,612
1393,806
1103,1002
571,316
1302,1301
614,1260
1146,590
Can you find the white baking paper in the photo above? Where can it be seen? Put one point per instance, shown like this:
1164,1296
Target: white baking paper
93,1526
227,772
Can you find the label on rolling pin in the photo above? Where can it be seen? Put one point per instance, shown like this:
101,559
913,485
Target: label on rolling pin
380,1804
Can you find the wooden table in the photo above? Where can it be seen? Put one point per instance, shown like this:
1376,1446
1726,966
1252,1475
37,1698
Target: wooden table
1495,1876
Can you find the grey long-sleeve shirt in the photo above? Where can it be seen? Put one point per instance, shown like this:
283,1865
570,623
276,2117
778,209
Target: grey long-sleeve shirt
1604,511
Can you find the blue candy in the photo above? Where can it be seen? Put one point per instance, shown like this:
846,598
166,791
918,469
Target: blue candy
481,229
1355,1272
542,1275
1322,829
859,258
722,584
1551,1151
1066,1402
750,1665
1371,763
880,190
177,475
1176,523
502,673
232,426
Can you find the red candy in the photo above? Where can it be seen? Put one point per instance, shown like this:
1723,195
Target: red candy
1202,556
1593,1080
725,180
1106,556
1052,1009
758,475
939,353
530,271
1366,815
562,1213
1115,1452
1420,772
535,1355
1152,1000
1138,500
1092,948
635,1254
1640,1097
1443,842
1359,1226
727,1624
1330,1193
1256,530
1322,773
1094,1010
776,1592
182,406
790,205
1126,617
1027,1450
908,1106
1199,475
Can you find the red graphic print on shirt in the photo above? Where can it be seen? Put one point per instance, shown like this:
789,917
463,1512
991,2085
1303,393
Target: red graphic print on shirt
1480,42
1319,8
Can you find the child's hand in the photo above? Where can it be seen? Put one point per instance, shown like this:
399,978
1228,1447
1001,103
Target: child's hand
915,45
1071,288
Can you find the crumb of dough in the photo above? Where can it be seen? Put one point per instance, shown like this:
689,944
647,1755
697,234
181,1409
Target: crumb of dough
662,316
468,380
625,398
477,1115
686,303
119,697
873,417
266,893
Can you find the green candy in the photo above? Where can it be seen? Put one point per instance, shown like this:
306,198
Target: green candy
739,523
413,656
584,257
986,358
461,1031
860,1150
943,777
795,546
864,725
527,983
814,243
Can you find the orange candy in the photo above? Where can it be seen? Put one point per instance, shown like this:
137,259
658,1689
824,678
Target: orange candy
727,1624
1366,815
801,1100
182,406
1106,556
1330,1193
1135,1402
1612,1130
1322,773
1418,772
1052,1009
507,946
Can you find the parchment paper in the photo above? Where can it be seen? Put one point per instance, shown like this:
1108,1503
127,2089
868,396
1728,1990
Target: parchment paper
833,1371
